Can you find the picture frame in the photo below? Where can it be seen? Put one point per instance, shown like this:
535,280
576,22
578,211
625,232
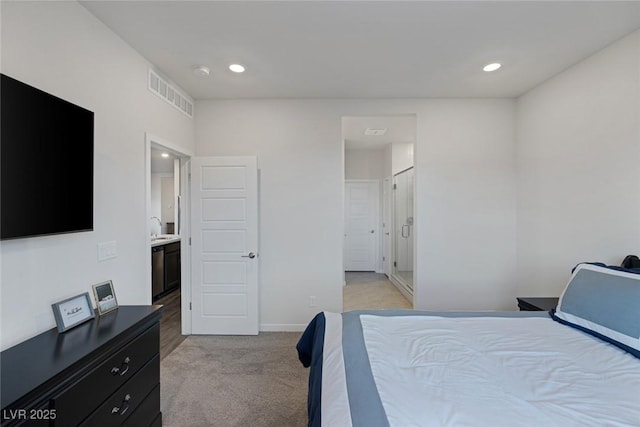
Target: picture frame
105,297
73,311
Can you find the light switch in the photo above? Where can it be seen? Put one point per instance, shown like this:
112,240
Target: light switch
107,250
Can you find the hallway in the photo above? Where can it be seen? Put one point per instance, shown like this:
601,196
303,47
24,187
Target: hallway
369,290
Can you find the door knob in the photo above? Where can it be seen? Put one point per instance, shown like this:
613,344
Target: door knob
372,231
250,255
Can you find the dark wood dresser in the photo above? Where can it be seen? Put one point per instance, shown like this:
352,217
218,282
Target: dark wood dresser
105,372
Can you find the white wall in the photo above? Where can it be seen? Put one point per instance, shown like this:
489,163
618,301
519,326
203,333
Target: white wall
168,201
465,205
579,168
465,182
401,156
155,208
387,161
300,158
62,49
364,164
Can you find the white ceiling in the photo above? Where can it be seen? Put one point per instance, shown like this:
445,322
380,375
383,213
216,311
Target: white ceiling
161,164
365,49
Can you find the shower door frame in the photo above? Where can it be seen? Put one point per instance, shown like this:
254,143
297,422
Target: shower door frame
398,281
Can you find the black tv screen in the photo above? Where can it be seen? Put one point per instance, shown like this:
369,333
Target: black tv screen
46,163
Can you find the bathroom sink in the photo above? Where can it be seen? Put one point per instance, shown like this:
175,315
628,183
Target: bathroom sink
162,238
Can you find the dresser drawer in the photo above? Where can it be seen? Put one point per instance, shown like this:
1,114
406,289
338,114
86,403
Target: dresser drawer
157,422
124,402
78,401
148,410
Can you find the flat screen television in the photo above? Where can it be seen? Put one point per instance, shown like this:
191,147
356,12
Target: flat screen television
46,163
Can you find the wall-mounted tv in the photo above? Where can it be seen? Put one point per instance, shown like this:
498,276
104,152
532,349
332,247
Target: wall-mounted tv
46,163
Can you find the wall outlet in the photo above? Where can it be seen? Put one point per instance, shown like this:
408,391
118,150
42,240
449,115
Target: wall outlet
312,301
107,250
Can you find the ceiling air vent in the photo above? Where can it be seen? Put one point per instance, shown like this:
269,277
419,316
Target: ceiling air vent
170,94
375,132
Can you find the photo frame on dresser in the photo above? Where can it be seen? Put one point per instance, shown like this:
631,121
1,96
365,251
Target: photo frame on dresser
105,297
73,311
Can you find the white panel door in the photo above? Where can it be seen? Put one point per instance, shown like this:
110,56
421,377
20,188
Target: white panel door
361,225
224,245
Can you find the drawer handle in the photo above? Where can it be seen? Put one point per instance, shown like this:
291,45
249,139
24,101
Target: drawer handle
122,369
122,409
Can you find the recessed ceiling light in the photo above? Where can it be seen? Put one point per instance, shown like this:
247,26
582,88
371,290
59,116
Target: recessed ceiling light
236,68
201,71
165,155
492,67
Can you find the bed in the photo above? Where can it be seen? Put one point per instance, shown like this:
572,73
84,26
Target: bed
575,366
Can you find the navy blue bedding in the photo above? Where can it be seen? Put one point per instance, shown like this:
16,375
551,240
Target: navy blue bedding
310,354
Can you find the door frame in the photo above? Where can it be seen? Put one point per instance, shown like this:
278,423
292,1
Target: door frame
153,141
385,226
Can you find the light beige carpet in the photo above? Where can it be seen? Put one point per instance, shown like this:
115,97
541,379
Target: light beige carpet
226,381
256,381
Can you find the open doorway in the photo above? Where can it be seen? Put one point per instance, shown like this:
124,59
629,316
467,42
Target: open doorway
376,148
167,272
164,225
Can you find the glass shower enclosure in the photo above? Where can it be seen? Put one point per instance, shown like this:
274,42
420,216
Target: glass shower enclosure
402,267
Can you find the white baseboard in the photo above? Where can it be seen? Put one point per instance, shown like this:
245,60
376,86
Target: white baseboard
282,327
406,292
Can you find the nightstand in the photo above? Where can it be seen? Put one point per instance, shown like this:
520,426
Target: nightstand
537,303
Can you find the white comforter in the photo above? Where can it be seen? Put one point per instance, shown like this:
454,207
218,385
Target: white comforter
484,371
